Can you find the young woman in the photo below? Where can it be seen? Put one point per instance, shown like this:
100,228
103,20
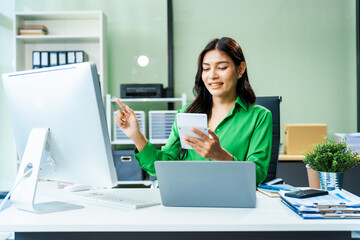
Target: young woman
240,130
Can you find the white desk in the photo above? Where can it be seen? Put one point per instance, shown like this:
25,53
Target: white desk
270,218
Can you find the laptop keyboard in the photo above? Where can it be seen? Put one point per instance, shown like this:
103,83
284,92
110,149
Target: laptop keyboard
111,198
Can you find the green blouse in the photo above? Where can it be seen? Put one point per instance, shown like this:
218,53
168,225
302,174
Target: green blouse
246,133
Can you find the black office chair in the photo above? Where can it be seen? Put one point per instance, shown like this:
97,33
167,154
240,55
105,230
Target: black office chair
273,104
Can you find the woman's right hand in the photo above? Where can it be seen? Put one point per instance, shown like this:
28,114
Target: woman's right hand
127,121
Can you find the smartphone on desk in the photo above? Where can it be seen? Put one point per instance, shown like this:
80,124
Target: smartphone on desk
306,193
185,121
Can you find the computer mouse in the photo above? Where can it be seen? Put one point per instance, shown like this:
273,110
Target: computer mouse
77,188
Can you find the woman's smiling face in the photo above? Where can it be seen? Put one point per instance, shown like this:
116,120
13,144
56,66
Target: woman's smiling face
220,75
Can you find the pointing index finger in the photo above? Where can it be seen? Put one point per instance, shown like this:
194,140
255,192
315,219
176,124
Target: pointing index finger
122,106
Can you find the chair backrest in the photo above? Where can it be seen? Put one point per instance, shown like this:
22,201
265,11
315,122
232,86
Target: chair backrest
273,104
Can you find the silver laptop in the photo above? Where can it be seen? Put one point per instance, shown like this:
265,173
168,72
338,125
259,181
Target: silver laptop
207,183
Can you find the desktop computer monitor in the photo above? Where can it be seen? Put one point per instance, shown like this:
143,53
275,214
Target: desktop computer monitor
60,129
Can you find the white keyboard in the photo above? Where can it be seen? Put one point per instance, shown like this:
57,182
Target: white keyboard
110,199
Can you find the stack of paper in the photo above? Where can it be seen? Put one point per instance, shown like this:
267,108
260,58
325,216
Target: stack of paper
337,204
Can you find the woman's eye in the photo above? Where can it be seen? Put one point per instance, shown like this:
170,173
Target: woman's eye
223,68
206,69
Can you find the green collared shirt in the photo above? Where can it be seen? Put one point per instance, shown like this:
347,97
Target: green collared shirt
246,133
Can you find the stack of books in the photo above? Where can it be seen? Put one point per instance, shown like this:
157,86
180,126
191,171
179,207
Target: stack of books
33,30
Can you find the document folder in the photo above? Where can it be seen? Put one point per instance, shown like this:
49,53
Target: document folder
44,59
337,204
54,60
80,56
70,57
36,59
62,58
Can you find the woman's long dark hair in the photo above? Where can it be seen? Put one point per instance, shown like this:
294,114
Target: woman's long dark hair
203,100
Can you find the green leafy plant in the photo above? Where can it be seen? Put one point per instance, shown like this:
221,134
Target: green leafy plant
330,156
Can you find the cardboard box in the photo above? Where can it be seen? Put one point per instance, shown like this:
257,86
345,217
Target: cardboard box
299,138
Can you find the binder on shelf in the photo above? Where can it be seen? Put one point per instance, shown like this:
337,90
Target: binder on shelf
62,58
70,57
54,60
80,56
44,59
36,59
337,204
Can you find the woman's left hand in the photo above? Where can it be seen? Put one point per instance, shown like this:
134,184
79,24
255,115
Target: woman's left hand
207,147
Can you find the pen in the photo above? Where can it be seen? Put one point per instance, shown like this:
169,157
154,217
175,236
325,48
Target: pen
278,187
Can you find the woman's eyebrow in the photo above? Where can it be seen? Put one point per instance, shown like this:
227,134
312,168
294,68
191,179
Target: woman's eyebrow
204,63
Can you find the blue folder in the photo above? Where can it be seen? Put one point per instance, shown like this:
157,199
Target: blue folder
278,187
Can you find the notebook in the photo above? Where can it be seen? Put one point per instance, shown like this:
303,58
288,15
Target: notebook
207,183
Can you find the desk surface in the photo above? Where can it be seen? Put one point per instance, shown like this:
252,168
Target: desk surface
269,215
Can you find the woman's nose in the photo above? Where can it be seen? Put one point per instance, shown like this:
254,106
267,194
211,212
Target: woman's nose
213,74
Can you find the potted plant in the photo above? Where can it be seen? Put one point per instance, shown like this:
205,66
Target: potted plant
331,160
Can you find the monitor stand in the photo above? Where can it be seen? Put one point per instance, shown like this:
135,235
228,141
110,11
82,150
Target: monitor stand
23,196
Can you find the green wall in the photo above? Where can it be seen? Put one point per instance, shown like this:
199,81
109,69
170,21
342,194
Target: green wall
302,50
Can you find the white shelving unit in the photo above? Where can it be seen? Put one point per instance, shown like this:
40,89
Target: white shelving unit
110,102
73,30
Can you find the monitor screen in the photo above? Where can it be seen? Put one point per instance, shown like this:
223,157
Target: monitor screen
67,101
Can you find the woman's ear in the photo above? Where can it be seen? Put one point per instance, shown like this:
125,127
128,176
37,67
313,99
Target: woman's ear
242,68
